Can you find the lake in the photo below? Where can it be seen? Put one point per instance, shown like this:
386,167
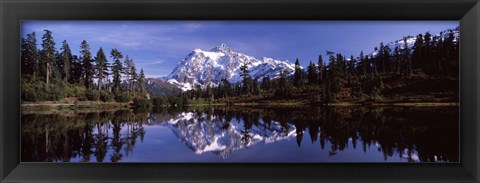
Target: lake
243,134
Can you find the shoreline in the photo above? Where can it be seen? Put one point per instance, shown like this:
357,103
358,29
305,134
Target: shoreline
109,105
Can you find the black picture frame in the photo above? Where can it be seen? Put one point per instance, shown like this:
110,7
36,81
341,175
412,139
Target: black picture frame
12,12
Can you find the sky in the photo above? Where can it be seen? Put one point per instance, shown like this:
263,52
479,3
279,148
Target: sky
157,46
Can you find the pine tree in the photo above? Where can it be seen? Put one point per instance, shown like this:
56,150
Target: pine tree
312,74
245,73
102,69
117,68
198,91
397,60
256,87
266,84
128,63
320,69
364,64
283,85
407,59
86,57
133,78
418,55
351,69
48,55
77,71
141,80
29,55
297,76
66,61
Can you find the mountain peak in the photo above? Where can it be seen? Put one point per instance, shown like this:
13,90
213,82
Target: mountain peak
222,48
210,67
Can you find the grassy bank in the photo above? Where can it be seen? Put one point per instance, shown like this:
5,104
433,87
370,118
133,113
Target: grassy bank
77,105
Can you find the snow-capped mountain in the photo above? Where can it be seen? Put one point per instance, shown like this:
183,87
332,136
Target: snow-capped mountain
412,39
203,134
210,67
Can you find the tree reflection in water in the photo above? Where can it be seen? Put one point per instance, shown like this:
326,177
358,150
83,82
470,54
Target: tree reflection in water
416,134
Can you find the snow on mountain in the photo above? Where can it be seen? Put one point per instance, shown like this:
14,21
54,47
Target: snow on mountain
412,39
204,68
213,134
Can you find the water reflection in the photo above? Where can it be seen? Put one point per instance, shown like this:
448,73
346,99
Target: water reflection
411,134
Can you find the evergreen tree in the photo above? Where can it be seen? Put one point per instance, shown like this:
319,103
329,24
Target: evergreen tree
30,55
256,87
266,84
406,59
351,73
199,91
297,76
225,88
76,72
117,68
418,55
128,63
102,69
141,80
208,92
397,60
65,63
133,78
320,69
245,73
364,65
86,57
48,55
312,74
283,86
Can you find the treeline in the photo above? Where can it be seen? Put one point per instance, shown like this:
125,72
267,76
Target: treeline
52,74
353,78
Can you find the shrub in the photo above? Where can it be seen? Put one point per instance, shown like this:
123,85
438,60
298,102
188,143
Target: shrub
92,94
159,102
142,103
122,97
57,92
105,96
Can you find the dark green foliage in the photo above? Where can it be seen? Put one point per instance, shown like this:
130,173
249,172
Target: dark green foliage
298,75
30,55
101,68
141,80
50,75
176,101
117,68
47,56
106,96
86,58
320,70
247,80
77,71
312,74
160,101
65,63
122,97
92,95
142,103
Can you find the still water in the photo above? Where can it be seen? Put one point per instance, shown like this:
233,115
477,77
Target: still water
323,134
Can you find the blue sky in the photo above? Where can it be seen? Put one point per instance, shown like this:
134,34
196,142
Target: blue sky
157,46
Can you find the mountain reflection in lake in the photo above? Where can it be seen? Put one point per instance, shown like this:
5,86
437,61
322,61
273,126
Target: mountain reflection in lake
323,134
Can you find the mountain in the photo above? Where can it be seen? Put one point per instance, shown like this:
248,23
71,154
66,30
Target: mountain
158,87
411,40
210,67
